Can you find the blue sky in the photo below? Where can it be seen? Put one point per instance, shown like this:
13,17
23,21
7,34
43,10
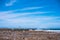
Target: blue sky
29,14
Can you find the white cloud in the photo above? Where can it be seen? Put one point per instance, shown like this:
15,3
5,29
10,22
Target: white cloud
9,19
10,3
41,22
11,14
31,8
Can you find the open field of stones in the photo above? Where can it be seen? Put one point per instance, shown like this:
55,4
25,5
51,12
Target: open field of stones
8,34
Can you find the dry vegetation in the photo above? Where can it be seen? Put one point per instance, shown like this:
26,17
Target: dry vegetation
8,34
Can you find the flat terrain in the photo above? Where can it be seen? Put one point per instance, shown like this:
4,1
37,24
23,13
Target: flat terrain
8,34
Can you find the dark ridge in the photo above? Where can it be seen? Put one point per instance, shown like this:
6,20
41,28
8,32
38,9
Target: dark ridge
17,29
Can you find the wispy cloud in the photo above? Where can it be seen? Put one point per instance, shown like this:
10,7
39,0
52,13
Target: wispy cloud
12,14
10,3
26,19
31,8
15,13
